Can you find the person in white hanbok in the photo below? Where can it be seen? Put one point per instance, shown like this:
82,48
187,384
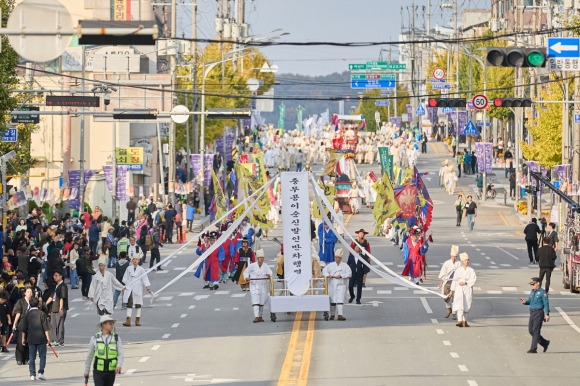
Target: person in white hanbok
446,276
102,286
462,290
337,273
135,279
355,195
258,274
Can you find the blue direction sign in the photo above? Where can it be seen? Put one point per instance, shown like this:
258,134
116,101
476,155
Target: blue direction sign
420,110
372,83
10,135
470,129
446,110
386,92
433,80
382,103
576,118
563,47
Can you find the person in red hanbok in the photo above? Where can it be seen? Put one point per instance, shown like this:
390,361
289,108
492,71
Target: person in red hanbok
414,250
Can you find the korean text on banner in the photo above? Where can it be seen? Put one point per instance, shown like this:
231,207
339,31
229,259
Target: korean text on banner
296,212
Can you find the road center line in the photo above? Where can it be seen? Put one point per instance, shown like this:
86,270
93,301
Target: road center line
507,253
297,362
155,348
503,218
144,359
462,368
426,305
568,320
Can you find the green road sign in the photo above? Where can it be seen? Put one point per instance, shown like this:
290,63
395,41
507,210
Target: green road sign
376,66
357,66
396,66
372,76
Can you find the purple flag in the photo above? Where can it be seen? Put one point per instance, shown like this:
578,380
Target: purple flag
207,166
410,112
74,180
121,180
397,121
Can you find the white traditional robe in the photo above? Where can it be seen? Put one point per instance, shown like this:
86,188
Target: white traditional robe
259,289
134,284
101,290
463,294
447,272
337,287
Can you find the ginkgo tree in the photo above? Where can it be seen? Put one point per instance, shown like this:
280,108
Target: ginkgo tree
546,129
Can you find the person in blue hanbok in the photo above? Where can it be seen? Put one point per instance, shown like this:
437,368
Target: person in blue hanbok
326,240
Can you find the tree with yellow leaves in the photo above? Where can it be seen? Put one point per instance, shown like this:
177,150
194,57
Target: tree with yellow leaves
546,130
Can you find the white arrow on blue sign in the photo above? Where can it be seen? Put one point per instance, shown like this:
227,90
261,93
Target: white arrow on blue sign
470,129
563,47
420,110
576,118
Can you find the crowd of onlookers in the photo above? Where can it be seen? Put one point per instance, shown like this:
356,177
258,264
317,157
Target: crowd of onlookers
36,251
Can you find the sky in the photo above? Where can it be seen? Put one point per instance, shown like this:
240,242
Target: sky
323,20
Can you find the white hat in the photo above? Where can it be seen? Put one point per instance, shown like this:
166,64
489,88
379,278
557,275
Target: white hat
260,253
103,260
105,318
338,252
464,256
454,250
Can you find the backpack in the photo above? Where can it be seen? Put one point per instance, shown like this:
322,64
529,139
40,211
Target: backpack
149,242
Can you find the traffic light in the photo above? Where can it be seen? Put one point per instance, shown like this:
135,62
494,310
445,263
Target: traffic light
447,102
512,102
516,57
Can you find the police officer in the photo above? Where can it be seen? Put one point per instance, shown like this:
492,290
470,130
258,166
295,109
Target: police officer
539,312
106,353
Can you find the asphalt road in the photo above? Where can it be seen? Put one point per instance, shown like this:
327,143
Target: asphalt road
398,336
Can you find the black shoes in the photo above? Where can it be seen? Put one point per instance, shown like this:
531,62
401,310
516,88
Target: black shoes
206,286
350,300
215,287
532,351
358,302
546,346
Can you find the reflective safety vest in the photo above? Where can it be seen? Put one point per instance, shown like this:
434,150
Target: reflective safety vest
106,354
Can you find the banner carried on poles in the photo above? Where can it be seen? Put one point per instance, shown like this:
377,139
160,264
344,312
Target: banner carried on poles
296,215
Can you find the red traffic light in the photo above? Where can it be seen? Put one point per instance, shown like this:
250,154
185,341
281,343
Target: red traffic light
498,102
432,102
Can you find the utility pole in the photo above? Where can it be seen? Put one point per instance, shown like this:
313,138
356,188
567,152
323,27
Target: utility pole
413,61
575,132
195,126
456,34
172,63
82,135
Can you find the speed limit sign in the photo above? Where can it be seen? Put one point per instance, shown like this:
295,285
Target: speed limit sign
439,73
479,102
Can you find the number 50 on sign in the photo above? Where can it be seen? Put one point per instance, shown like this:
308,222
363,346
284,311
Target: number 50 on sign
479,102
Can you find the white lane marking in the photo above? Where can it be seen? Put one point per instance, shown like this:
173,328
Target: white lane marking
434,321
483,253
367,288
420,292
179,268
183,316
509,288
462,368
454,355
494,292
477,288
235,309
567,319
238,295
471,382
74,315
175,325
477,249
221,292
492,262
505,265
426,305
166,336
130,371
400,266
494,266
401,288
475,264
440,331
469,242
155,348
191,307
165,298
8,357
507,253
488,258
186,294
384,292
164,271
77,300
447,343
388,263
199,297
144,359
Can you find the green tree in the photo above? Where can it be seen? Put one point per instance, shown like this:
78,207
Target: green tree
9,101
367,108
228,92
546,130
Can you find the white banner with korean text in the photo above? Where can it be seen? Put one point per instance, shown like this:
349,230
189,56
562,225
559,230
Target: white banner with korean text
296,215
